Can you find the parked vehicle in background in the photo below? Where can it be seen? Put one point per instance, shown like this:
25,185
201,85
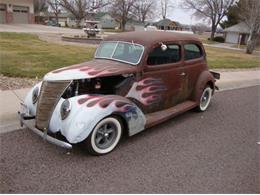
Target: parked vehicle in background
135,81
53,23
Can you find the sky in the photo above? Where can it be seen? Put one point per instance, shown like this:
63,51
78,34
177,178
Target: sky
184,16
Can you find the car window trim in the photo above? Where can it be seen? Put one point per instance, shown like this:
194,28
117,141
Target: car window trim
194,59
140,58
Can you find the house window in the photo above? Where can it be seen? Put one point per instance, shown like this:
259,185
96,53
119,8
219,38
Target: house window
192,51
171,55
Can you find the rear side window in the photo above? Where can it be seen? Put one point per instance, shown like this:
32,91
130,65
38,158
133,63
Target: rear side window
171,55
192,51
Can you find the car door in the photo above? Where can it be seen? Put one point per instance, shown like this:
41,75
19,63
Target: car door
162,75
194,64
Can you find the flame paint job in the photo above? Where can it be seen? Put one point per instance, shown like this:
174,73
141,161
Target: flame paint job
147,91
88,110
121,104
91,69
152,84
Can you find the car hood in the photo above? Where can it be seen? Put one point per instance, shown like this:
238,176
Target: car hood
91,69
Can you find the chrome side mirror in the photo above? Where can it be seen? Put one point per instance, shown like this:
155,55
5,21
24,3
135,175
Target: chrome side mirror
164,47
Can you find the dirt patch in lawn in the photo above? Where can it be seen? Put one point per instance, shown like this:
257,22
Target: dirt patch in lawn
7,83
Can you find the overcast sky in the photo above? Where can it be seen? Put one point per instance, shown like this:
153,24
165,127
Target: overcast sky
181,15
184,16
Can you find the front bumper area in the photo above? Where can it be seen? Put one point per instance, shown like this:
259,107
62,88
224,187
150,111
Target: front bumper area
28,122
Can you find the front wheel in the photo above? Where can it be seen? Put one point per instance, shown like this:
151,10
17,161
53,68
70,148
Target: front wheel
205,99
105,136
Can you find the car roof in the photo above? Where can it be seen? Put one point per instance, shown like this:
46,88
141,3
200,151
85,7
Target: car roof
148,38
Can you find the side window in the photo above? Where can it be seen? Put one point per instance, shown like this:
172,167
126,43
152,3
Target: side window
192,51
171,55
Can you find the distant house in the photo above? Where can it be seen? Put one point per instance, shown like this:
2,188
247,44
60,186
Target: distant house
16,11
106,21
167,24
238,33
63,18
133,25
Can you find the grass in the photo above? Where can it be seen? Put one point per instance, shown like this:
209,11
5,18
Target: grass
257,48
205,39
223,58
24,55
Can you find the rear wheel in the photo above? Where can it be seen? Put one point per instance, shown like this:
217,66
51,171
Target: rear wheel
105,136
205,99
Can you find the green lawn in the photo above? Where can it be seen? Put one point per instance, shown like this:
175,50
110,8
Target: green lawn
257,48
24,55
223,58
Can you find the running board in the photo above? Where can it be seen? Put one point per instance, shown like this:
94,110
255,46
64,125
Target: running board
161,116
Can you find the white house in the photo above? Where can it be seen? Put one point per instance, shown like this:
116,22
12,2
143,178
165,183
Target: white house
16,11
237,34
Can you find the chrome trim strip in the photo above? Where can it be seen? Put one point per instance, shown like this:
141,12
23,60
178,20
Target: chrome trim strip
141,56
45,136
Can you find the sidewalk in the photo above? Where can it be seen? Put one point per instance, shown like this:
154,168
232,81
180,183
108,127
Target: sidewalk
229,46
10,104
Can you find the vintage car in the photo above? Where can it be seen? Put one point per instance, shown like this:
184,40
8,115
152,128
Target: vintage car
135,81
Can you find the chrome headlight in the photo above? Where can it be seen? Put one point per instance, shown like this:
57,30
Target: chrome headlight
65,109
35,95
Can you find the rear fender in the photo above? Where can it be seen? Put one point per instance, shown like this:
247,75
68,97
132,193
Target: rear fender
204,78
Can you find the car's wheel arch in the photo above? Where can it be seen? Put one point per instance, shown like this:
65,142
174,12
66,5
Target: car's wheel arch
205,78
132,118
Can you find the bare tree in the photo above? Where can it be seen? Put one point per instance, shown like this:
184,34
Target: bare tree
81,8
199,28
123,11
40,6
55,7
164,6
214,10
250,13
144,9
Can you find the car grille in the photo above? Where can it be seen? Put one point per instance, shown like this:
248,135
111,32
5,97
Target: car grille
51,92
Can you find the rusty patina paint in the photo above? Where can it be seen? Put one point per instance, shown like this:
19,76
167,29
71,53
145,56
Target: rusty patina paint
160,91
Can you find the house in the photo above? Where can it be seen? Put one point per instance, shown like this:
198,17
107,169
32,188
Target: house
167,24
16,11
105,20
238,33
63,18
133,25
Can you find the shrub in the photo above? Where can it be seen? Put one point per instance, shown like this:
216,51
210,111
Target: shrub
219,39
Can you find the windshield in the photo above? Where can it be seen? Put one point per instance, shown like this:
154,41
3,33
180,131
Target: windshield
121,51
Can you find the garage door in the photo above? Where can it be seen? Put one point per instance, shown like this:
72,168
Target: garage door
232,37
2,14
20,14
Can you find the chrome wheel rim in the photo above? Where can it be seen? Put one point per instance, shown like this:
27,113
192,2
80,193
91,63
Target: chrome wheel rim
205,99
106,135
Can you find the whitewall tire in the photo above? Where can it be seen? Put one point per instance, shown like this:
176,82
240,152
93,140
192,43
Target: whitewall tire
205,99
105,136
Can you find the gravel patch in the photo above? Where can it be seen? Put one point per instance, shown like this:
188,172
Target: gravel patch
7,83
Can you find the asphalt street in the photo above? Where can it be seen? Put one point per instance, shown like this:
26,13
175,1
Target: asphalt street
211,152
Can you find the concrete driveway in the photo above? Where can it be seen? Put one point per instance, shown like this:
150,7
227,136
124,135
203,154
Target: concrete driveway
37,28
46,33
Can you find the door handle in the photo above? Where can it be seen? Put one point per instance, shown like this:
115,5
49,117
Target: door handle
183,74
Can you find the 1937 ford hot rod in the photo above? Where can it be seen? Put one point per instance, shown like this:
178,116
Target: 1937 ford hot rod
135,81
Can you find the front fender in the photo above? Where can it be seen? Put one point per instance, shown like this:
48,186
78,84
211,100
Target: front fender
88,110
